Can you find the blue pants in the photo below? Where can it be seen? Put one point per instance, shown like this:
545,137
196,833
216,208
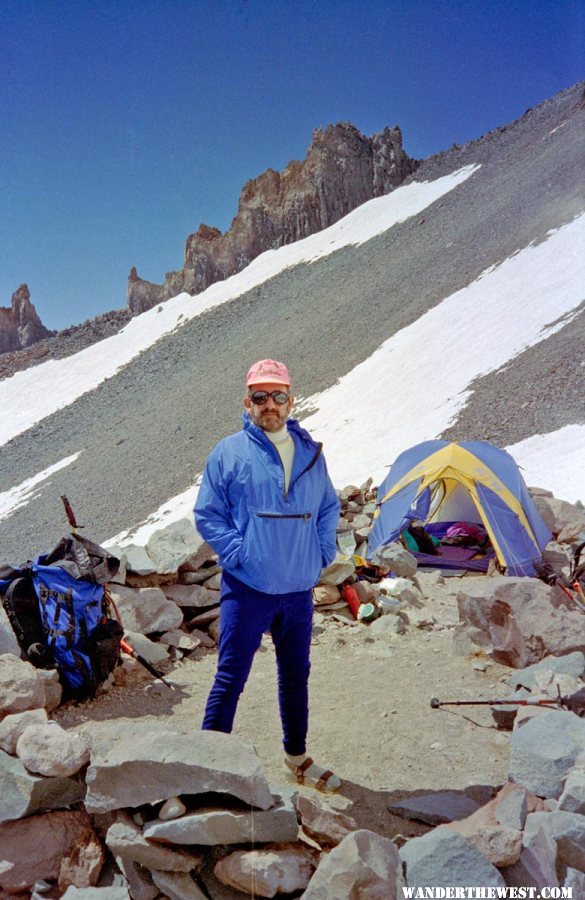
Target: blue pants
245,614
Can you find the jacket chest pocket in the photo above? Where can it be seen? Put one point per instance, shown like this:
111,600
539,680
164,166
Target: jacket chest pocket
282,539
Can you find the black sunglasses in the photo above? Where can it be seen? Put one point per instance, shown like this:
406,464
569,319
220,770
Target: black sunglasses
260,397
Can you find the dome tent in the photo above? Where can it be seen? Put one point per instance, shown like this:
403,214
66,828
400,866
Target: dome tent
439,481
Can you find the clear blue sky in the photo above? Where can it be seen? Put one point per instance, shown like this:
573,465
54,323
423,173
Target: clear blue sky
126,124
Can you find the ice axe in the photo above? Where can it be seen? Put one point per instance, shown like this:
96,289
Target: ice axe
70,515
129,649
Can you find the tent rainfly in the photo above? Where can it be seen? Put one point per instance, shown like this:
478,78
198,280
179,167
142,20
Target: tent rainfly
438,481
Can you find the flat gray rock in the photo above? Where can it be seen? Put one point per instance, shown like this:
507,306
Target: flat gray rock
544,748
512,806
152,651
22,794
537,864
126,840
189,595
364,864
140,883
266,872
172,546
138,765
177,885
96,893
146,610
436,808
573,797
576,881
221,826
21,686
395,558
570,664
135,559
443,858
8,642
567,830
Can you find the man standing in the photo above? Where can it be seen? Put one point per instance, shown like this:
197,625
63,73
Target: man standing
267,507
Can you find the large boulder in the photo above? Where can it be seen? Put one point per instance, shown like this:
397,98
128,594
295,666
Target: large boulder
536,867
442,858
177,885
171,547
543,750
21,686
57,846
573,797
567,830
47,749
134,763
395,558
12,727
268,871
8,642
324,825
189,595
22,793
571,664
364,865
558,514
523,619
146,610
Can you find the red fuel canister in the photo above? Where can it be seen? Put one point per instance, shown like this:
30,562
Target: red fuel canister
349,594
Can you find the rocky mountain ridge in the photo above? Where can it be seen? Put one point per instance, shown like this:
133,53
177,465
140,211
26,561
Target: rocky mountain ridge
342,170
20,325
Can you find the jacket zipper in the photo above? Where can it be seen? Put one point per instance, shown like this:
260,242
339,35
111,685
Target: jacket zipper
306,515
307,468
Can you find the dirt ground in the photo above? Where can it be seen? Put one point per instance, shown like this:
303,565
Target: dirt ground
371,719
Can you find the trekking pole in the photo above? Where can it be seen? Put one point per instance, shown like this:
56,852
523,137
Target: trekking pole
559,702
574,703
124,644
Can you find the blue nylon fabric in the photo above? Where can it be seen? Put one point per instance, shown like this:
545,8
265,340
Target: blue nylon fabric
518,549
70,610
394,514
505,467
274,542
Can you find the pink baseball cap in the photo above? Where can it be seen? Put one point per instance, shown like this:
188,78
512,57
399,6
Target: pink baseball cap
268,371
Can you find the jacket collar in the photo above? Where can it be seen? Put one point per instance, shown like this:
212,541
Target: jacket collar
293,427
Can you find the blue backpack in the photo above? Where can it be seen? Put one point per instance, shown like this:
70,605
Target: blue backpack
62,621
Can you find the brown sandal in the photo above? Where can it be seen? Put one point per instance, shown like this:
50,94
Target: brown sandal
321,784
299,771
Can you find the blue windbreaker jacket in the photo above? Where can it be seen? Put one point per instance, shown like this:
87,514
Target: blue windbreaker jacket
274,542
